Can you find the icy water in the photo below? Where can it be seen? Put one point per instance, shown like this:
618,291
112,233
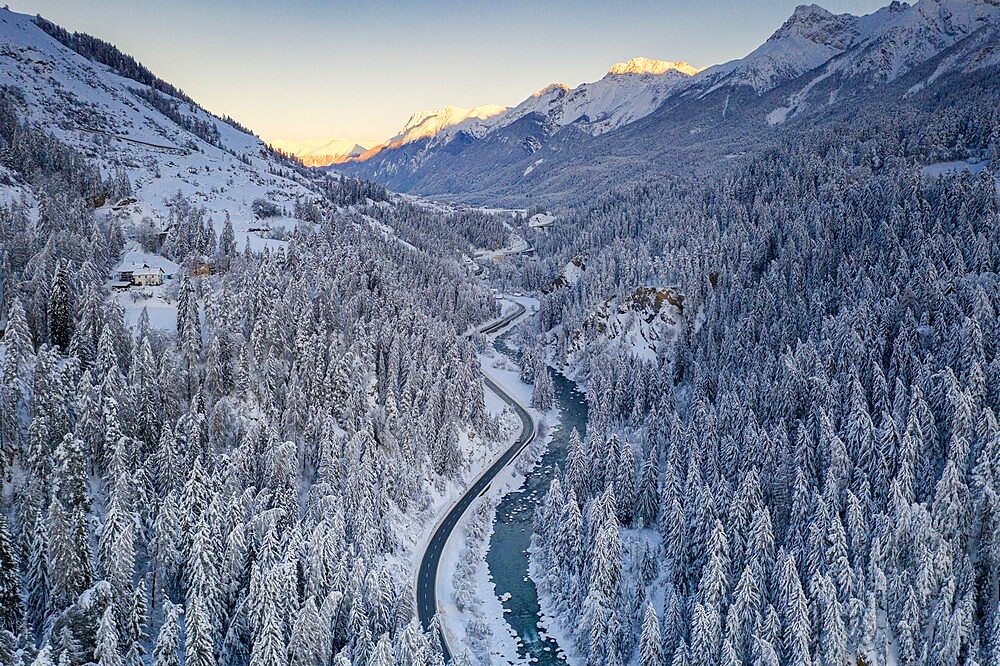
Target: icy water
507,557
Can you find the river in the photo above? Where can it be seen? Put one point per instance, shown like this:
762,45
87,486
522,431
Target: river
507,557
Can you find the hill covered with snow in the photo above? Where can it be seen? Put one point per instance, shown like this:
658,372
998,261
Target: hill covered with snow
123,118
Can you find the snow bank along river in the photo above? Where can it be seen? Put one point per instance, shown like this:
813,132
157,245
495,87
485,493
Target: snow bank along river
508,553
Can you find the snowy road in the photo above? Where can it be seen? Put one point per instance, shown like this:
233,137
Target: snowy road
428,569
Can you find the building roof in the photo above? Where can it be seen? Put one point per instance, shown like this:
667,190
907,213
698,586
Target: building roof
144,269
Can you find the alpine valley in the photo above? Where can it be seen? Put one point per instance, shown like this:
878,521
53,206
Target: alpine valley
680,367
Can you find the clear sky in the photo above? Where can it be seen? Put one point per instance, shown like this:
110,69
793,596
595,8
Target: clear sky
357,69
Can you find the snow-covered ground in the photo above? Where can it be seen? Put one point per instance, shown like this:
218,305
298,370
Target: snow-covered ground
956,167
951,168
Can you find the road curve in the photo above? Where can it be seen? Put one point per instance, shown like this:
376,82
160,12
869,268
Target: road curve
426,591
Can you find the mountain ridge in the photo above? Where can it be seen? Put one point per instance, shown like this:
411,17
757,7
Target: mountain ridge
814,61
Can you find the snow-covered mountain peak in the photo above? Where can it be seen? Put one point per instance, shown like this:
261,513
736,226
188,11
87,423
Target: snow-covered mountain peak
426,124
552,88
320,152
900,36
651,66
953,16
809,38
629,91
819,26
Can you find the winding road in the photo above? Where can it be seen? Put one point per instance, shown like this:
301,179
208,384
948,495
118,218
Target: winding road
426,590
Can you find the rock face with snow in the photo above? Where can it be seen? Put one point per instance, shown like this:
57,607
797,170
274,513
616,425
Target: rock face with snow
809,38
320,152
643,323
568,276
647,116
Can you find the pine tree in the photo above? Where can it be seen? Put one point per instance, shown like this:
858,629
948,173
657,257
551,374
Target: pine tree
306,640
199,648
606,557
7,646
650,648
411,646
68,571
576,465
168,641
11,606
833,646
624,484
106,653
795,617
713,589
44,657
134,634
117,547
705,636
227,239
648,498
382,653
543,393
269,644
38,583
60,318
203,583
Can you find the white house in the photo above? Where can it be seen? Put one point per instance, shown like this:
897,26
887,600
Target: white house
148,277
141,276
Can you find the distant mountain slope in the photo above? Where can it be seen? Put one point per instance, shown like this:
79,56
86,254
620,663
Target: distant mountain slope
162,140
559,144
629,91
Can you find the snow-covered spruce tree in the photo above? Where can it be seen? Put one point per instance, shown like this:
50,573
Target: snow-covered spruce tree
60,320
168,641
650,648
543,392
11,607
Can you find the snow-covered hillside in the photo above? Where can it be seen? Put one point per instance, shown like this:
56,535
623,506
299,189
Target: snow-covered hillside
187,407
165,145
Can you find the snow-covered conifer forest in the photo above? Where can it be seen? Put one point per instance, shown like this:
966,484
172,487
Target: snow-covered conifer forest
241,398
